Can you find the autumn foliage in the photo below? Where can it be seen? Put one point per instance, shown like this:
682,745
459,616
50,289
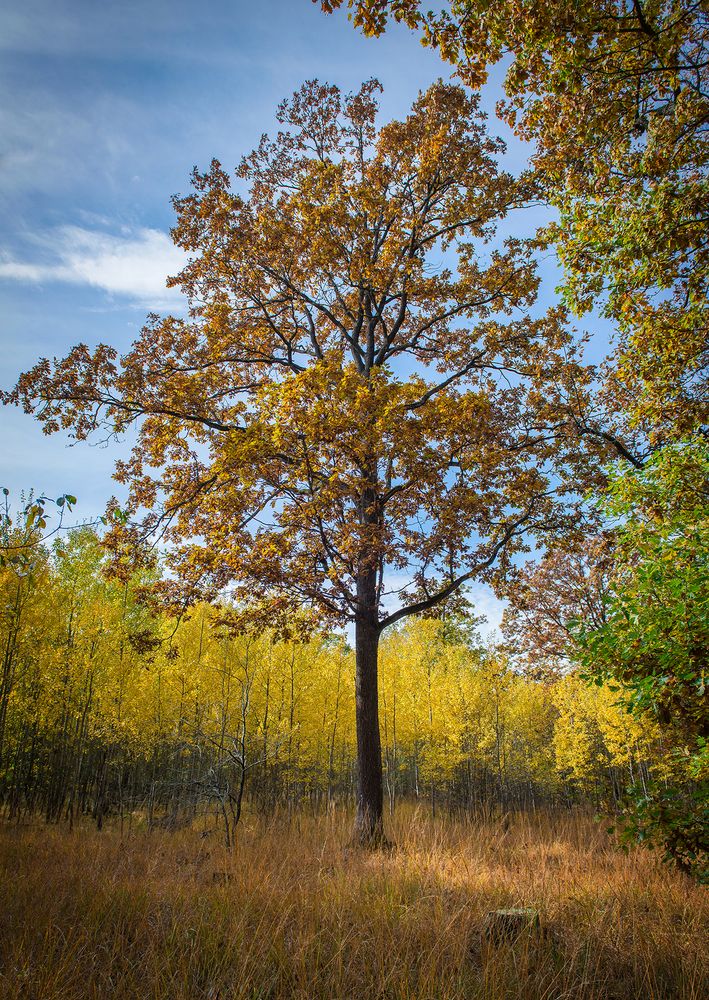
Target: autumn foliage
362,411
109,708
615,98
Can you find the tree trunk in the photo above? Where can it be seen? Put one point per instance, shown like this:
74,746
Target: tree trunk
369,822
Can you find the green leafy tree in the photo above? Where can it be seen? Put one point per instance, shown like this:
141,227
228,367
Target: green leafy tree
654,639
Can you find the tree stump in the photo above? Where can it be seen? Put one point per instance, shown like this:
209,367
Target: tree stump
508,926
517,932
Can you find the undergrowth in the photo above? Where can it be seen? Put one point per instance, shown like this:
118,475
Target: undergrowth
291,913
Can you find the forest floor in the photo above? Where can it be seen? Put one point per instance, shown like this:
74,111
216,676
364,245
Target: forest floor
290,913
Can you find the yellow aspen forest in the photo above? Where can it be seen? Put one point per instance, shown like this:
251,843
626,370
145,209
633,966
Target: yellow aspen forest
112,709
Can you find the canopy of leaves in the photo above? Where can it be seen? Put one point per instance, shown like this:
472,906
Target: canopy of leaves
615,96
547,595
360,388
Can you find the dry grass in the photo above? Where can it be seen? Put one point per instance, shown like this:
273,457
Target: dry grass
289,913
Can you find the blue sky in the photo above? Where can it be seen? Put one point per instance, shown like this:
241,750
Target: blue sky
104,110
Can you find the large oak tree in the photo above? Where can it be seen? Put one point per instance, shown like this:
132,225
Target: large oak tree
359,414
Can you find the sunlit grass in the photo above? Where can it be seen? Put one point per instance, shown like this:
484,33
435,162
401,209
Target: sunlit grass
290,912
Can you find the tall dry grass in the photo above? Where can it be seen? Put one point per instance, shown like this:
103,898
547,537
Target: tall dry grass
289,913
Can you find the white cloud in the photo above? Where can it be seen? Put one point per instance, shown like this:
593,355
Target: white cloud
134,265
484,602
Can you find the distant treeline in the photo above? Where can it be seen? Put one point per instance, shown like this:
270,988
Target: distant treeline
108,708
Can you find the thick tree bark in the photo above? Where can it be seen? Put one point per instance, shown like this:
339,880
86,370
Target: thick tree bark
369,822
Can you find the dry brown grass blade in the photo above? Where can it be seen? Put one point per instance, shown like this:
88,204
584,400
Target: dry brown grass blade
88,915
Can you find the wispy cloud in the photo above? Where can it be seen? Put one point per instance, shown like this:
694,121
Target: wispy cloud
484,602
132,265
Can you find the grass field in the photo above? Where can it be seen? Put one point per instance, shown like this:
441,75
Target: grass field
291,913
